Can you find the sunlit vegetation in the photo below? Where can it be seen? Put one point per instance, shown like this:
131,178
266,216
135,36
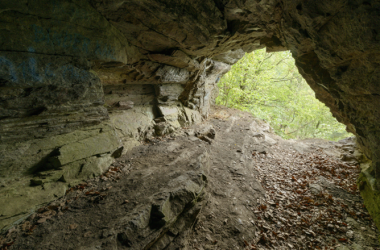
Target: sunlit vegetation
269,86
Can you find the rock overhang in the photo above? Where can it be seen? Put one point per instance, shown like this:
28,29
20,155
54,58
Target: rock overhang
70,66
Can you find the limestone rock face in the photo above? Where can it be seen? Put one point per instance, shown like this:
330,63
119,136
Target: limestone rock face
336,48
83,79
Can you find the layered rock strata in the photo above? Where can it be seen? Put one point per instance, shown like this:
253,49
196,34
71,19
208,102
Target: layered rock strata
225,183
83,81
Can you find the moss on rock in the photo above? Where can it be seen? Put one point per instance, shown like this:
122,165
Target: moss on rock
371,195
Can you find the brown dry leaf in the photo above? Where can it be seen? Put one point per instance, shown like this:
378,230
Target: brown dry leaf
296,209
41,210
53,207
26,226
87,234
42,220
49,213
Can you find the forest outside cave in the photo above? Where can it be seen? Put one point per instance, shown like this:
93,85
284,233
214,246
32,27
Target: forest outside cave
269,86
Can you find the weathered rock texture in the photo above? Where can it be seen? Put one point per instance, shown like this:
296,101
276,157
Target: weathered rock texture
83,81
221,184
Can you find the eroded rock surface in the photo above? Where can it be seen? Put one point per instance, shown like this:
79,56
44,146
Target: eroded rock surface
246,187
145,67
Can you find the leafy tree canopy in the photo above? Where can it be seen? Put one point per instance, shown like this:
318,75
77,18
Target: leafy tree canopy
269,86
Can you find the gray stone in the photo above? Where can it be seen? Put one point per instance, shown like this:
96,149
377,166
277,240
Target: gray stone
169,112
315,188
58,60
230,57
125,105
350,234
106,142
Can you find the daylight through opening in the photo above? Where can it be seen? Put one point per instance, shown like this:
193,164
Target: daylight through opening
270,87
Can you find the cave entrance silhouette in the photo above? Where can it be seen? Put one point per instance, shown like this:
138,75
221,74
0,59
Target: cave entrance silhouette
270,87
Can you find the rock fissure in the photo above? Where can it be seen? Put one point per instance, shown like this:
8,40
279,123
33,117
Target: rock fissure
223,193
33,52
135,69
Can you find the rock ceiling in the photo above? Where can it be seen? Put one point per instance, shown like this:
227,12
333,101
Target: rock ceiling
79,72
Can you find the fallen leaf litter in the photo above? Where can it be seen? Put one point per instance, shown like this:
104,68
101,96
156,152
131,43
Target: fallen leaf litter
292,213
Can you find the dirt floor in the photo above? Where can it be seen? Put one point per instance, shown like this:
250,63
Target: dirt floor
229,183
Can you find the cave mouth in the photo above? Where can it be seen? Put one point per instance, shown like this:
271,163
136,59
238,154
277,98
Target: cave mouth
269,86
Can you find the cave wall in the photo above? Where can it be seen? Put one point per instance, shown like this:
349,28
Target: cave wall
336,48
83,81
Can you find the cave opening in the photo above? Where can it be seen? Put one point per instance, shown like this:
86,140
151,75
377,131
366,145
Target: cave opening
108,138
268,85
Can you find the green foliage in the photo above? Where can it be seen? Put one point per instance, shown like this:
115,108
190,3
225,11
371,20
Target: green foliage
269,86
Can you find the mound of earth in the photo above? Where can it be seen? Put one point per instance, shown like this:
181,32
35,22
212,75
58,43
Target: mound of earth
228,183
